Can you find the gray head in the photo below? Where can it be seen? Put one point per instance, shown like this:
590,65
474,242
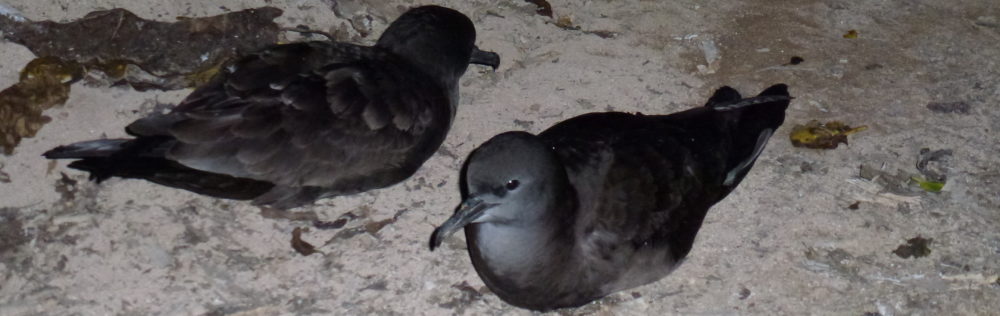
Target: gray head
512,179
438,40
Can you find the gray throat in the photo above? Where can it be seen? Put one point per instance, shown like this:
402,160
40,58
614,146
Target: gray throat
509,251
528,262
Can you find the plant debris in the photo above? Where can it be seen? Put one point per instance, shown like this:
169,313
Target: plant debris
957,107
934,166
566,23
899,183
273,213
464,287
336,224
374,227
339,223
44,84
127,49
851,34
928,185
543,7
822,135
915,247
371,227
301,246
120,44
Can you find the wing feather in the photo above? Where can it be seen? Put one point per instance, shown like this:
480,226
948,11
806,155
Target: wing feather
327,117
617,162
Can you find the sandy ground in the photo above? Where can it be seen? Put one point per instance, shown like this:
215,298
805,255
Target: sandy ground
786,242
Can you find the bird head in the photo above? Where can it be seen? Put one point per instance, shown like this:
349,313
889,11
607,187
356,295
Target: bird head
511,180
438,40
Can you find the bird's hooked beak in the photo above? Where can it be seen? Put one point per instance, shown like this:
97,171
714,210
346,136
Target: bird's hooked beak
471,209
486,58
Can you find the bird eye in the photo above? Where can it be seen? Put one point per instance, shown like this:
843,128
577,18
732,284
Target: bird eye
512,184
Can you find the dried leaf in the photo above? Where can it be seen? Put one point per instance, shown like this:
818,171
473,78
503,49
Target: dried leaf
928,185
544,8
467,289
374,227
273,213
566,22
336,224
957,107
142,53
146,53
302,247
44,84
822,136
339,223
915,247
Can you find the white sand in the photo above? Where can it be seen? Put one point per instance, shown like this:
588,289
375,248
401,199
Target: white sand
134,248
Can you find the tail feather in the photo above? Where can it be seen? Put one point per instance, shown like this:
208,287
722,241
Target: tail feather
724,95
768,110
752,122
780,89
88,149
727,99
143,158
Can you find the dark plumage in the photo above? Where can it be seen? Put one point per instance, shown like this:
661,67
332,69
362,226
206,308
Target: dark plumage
294,123
604,201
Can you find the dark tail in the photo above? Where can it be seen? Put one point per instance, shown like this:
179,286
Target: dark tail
144,158
750,122
738,129
102,158
768,107
88,149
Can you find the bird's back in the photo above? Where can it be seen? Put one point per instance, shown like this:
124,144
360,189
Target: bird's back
294,122
645,183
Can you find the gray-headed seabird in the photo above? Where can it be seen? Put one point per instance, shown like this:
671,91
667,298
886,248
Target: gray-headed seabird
604,202
294,123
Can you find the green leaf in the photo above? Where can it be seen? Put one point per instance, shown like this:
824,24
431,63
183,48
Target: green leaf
929,186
